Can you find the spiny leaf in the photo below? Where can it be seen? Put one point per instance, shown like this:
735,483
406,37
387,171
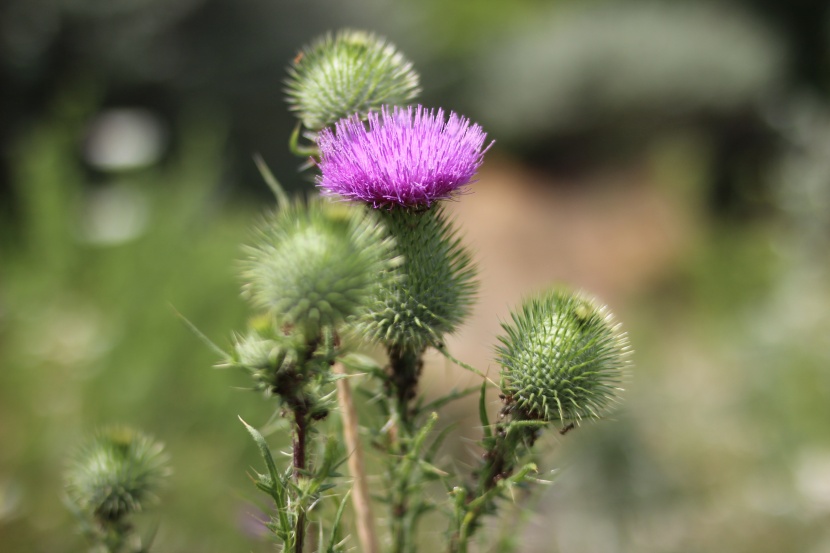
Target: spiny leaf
265,452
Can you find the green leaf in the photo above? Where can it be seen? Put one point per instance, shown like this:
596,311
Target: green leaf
271,181
334,540
482,411
294,144
436,443
452,396
360,362
264,452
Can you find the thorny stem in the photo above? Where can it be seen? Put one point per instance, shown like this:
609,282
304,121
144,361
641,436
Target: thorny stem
499,459
404,369
298,449
299,408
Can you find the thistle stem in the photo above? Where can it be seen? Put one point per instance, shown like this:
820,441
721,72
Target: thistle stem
404,369
499,459
360,498
299,465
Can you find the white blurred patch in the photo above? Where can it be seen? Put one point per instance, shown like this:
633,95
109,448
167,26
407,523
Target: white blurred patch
125,138
812,478
114,215
69,333
11,494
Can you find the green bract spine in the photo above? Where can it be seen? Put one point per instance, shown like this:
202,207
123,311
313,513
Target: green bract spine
563,358
435,289
351,72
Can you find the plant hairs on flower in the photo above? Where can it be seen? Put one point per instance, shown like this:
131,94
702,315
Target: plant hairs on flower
409,157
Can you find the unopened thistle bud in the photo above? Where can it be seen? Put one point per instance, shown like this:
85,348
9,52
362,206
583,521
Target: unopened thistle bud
273,363
317,265
116,474
352,72
563,358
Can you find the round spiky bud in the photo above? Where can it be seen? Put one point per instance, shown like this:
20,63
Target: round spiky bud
563,358
316,265
352,72
435,288
116,474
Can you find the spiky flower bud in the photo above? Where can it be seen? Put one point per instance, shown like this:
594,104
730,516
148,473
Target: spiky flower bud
279,363
316,265
563,358
352,72
436,287
116,474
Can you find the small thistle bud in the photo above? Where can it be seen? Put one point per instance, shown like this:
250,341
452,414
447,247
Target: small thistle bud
563,358
352,72
255,352
317,265
116,474
277,365
436,287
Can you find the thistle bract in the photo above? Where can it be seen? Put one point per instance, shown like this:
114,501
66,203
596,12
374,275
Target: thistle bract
316,265
116,474
352,72
408,157
563,358
435,288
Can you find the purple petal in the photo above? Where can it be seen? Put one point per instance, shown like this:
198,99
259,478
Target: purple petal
407,156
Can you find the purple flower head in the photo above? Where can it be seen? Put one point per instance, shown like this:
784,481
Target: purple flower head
408,156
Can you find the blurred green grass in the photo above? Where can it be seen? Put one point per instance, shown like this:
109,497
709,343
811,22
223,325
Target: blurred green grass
90,336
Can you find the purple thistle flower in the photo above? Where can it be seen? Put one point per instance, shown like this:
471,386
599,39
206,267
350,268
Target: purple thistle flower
408,157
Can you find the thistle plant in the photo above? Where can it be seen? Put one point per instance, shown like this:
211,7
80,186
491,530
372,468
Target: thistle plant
115,475
375,260
563,358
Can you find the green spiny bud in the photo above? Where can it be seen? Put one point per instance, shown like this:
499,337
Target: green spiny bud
116,474
317,265
352,72
267,360
436,287
563,358
255,352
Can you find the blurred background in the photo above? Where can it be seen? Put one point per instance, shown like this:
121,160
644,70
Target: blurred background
669,157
